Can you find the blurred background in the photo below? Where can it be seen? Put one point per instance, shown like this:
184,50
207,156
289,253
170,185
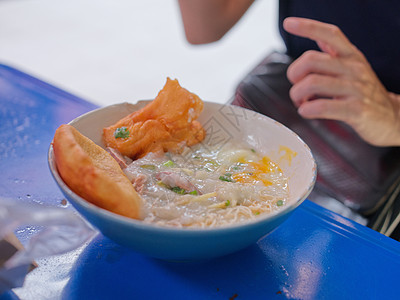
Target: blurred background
110,51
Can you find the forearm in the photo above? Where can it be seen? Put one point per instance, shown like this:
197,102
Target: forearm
207,21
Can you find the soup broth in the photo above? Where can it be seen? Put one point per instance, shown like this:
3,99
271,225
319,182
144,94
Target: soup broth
208,186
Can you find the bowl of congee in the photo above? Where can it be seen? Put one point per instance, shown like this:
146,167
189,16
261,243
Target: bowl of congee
179,178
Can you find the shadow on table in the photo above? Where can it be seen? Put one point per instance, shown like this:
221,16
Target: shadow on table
106,270
308,258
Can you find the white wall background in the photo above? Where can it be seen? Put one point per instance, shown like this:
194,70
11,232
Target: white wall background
109,51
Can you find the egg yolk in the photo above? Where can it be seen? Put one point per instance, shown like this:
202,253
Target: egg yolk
265,165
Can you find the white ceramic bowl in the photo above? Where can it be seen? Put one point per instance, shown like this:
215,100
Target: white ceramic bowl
222,122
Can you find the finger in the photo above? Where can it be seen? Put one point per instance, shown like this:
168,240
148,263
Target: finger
315,62
329,37
326,109
320,86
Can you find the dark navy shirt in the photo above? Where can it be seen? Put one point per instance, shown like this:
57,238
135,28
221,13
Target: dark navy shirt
372,25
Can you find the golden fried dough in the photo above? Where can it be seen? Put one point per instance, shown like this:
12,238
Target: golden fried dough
168,123
92,173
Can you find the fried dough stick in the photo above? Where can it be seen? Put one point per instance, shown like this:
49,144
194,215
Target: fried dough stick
92,173
168,123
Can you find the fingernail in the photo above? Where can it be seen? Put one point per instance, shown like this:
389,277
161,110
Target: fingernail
300,110
290,23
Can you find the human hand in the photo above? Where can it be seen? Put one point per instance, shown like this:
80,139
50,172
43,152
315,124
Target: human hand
339,84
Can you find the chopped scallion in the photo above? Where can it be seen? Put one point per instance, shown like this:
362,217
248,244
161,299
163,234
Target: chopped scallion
121,133
169,163
160,183
226,177
178,190
148,167
223,178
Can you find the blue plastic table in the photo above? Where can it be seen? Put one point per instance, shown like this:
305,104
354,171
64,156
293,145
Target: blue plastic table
315,254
